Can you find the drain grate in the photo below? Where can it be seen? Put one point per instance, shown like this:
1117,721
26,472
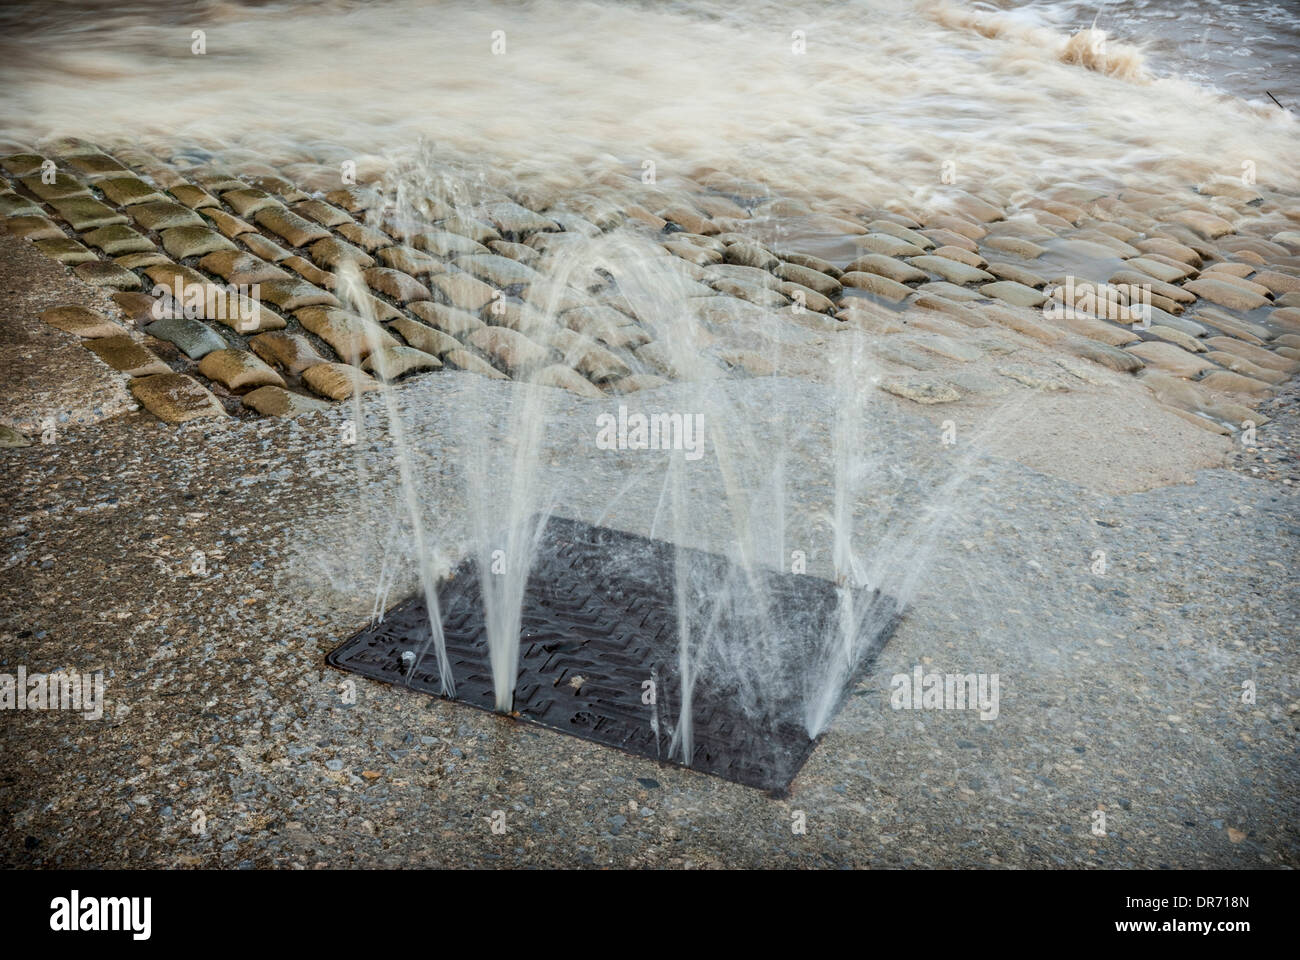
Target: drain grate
600,619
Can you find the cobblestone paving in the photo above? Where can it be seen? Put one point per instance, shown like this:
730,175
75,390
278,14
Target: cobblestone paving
465,278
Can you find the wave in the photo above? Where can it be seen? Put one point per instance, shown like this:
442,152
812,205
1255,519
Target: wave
1088,48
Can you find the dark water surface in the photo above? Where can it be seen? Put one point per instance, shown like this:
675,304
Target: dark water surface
1248,48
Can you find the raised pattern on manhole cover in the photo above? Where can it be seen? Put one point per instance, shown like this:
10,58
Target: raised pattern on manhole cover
600,618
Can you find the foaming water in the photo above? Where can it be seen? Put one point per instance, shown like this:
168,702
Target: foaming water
582,94
1248,48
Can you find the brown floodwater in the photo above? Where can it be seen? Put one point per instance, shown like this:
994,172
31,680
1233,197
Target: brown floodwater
844,104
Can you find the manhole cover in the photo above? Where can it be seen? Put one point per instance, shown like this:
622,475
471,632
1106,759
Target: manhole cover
600,619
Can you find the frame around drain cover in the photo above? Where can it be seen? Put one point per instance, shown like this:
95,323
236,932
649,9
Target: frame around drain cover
600,605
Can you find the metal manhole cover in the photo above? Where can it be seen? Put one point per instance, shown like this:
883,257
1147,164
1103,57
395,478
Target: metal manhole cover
600,618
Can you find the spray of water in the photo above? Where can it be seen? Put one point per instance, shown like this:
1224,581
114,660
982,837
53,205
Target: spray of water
728,632
353,292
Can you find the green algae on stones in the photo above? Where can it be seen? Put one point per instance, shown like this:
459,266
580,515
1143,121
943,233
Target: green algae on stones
367,238
236,266
184,242
322,213
273,401
96,165
176,398
193,197
395,284
125,355
34,227
85,213
352,337
337,381
81,321
248,201
290,227
128,191
238,369
101,273
332,253
229,226
117,239
290,351
22,164
163,215
65,250
61,187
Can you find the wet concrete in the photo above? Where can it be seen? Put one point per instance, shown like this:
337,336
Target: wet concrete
227,742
